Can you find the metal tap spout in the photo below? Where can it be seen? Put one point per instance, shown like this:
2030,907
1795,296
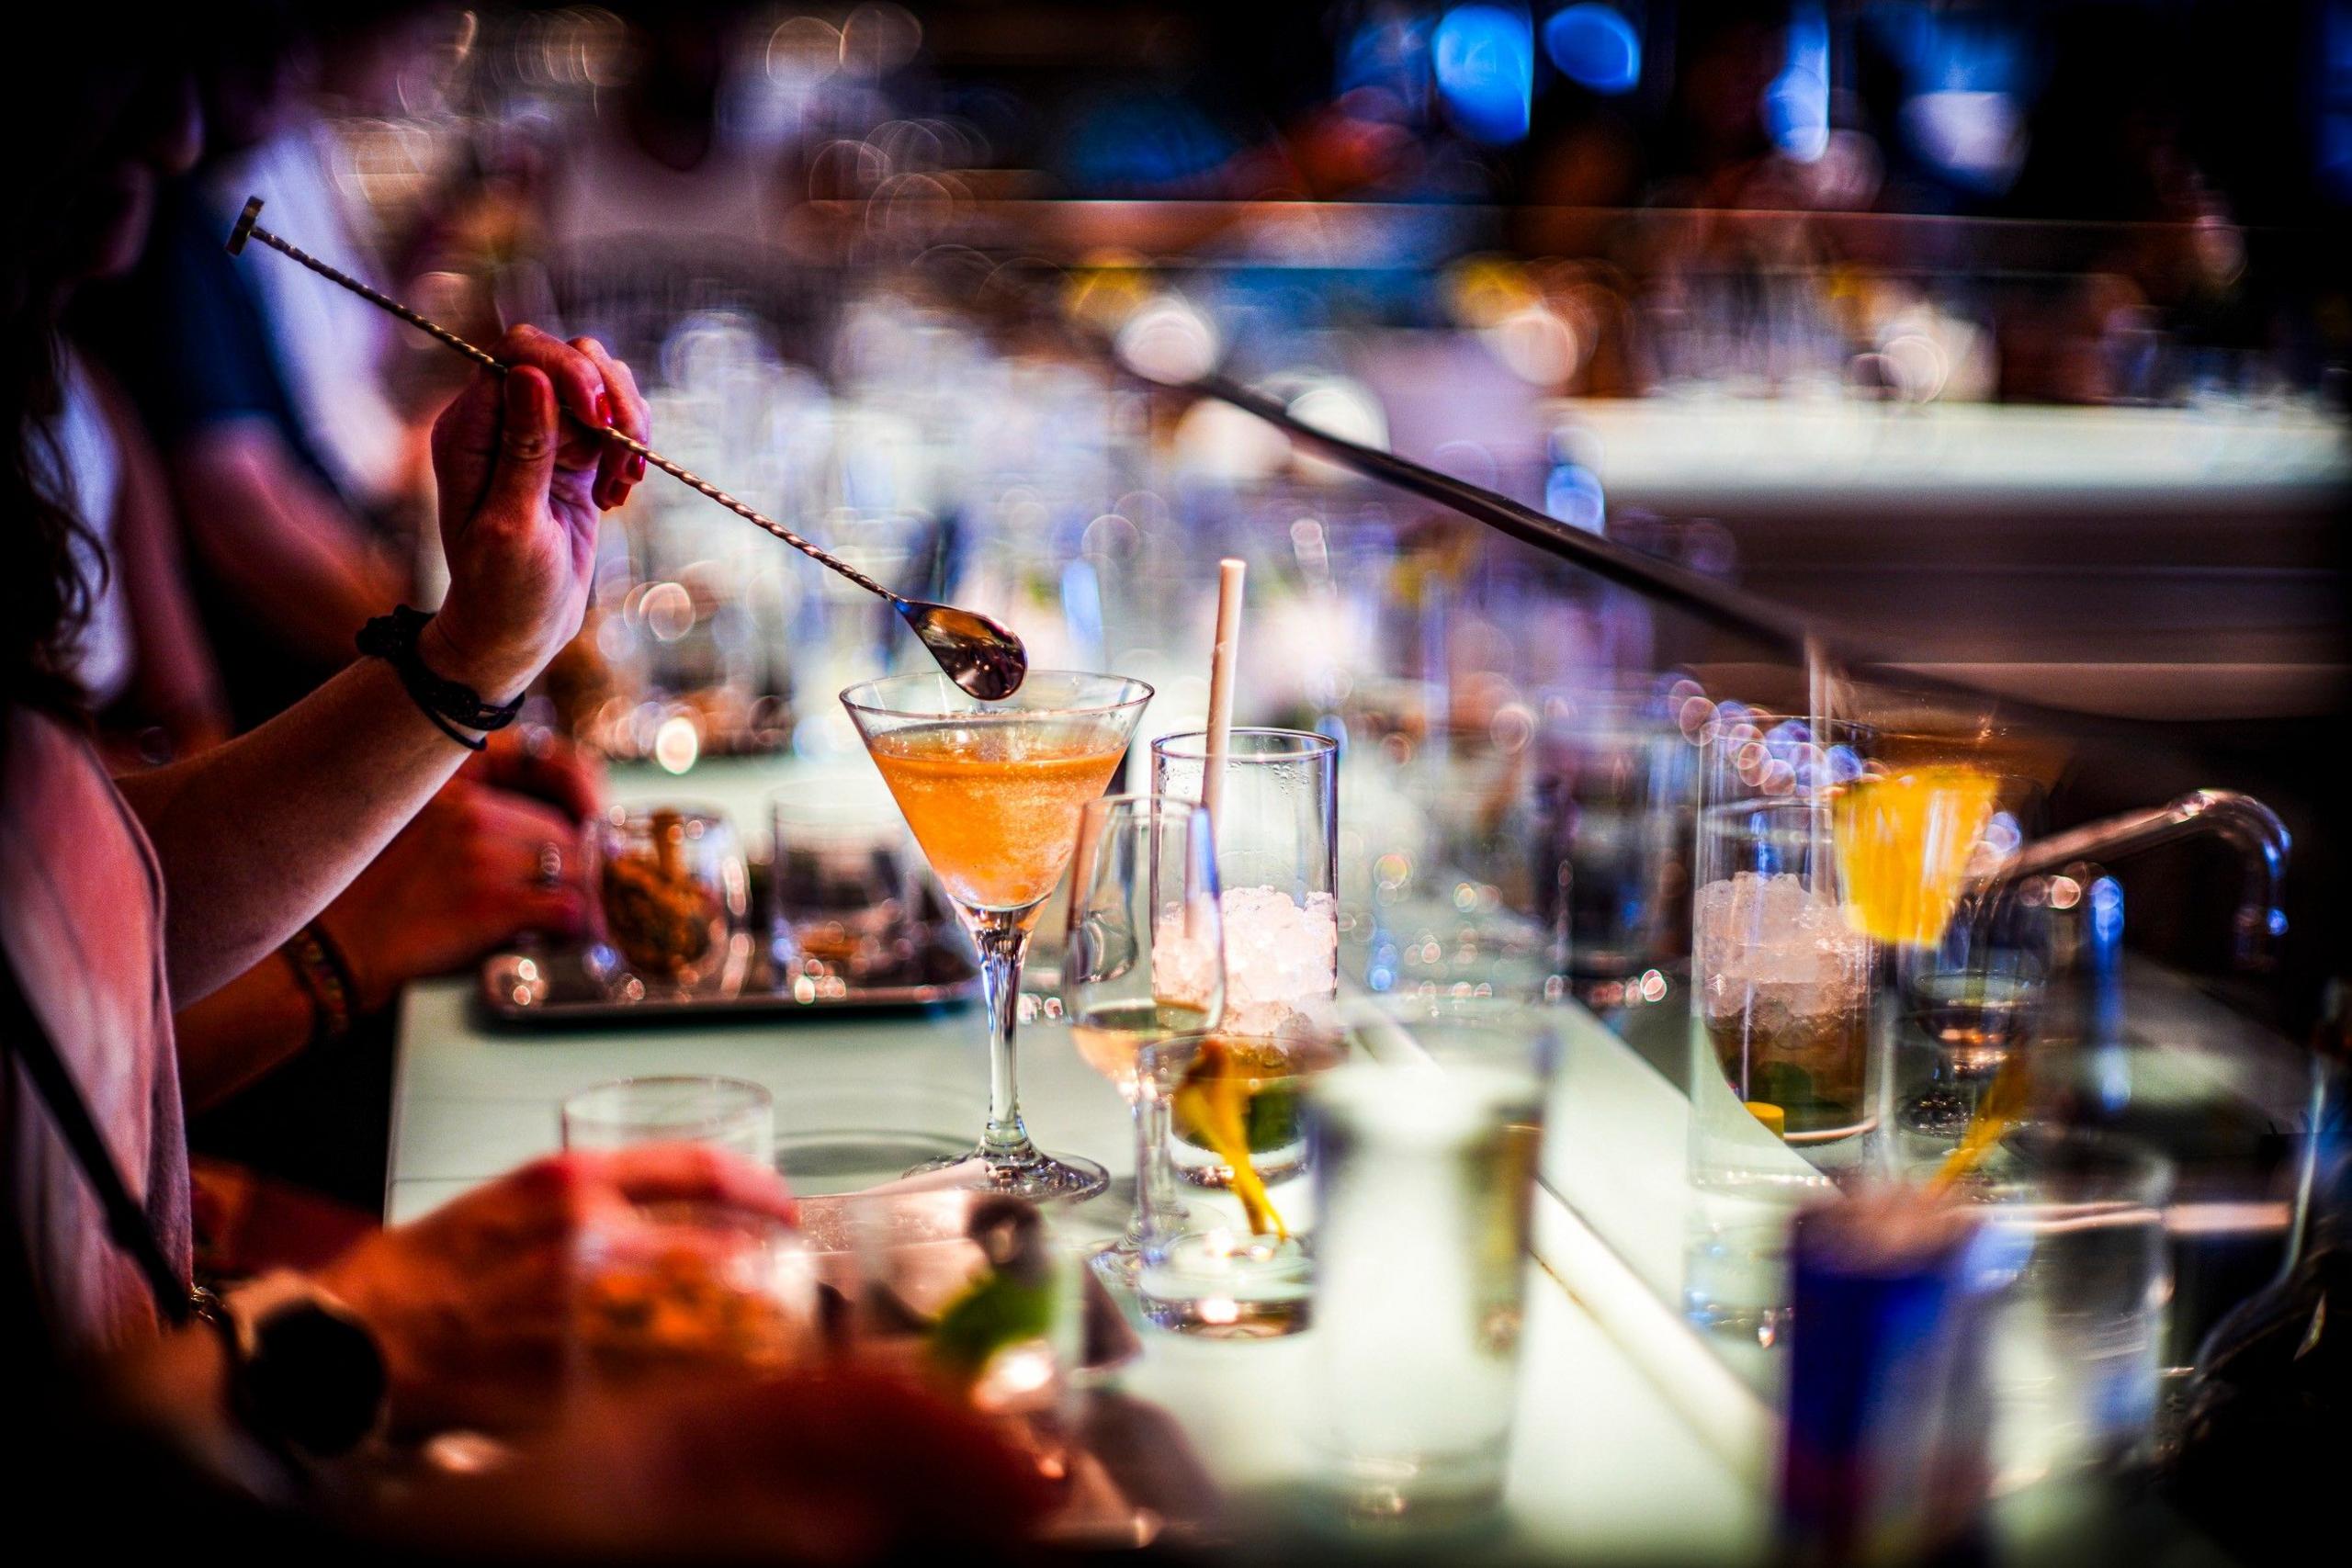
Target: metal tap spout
2238,819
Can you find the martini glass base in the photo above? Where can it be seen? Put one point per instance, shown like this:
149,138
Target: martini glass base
1031,1175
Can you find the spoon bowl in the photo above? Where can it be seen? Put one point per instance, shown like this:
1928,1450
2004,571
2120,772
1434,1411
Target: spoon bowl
977,653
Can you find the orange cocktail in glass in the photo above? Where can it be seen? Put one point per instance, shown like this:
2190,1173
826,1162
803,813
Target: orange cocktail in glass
995,808
992,792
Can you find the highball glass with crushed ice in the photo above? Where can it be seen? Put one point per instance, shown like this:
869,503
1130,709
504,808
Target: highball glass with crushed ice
1786,1068
1785,1075
1277,843
1219,1269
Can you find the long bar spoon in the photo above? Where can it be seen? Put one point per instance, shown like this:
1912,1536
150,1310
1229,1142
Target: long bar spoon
979,655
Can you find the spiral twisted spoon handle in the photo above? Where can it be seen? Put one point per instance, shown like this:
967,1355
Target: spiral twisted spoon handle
978,654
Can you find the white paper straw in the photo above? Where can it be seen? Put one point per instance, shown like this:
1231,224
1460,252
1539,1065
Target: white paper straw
1229,573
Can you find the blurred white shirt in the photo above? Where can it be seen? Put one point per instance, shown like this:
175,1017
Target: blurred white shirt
331,345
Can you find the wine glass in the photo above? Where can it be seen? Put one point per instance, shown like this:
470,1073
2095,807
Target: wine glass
1144,959
992,792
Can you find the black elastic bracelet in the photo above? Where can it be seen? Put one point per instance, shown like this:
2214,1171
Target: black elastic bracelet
447,704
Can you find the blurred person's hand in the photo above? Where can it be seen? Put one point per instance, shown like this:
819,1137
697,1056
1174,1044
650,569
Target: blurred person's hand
839,1464
533,759
520,492
471,1304
476,867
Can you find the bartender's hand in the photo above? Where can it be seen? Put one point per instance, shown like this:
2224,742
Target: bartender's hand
476,867
471,1304
521,488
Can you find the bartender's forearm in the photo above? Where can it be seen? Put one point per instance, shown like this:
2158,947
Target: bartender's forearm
256,836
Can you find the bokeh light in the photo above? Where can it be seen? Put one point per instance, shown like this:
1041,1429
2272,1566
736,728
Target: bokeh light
1483,59
1594,46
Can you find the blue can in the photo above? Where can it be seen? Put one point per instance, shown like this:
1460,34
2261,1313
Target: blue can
1887,1451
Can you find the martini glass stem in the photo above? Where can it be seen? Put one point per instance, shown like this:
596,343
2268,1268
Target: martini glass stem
1001,940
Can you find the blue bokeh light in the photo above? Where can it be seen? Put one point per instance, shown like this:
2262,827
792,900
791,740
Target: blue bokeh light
1595,47
1796,105
1484,59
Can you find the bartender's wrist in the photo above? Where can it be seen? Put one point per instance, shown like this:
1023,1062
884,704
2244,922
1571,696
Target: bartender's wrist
452,652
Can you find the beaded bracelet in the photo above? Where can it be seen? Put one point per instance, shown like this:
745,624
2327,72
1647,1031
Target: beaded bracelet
319,968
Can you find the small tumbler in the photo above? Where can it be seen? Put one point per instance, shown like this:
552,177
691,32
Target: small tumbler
844,889
727,1113
674,893
1427,1144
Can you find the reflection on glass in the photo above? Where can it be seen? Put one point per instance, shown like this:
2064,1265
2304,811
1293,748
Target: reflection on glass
1239,1262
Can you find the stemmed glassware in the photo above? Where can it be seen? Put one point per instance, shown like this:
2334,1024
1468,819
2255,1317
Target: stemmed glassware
1145,960
992,792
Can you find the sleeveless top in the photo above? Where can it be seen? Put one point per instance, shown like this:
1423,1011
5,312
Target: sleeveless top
82,920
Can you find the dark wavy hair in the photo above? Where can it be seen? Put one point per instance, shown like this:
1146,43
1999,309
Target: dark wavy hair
44,596
61,122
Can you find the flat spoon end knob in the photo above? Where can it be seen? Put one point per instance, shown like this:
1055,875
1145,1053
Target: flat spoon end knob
244,228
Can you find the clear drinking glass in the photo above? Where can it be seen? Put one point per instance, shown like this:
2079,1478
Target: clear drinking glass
1277,849
992,792
1239,1262
730,1113
1428,1142
1144,959
674,894
2079,1331
1785,1081
668,1290
971,1290
1965,1004
842,632
1787,1073
1616,789
843,887
973,1297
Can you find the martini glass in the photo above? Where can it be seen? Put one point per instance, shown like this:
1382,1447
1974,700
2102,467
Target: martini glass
992,792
